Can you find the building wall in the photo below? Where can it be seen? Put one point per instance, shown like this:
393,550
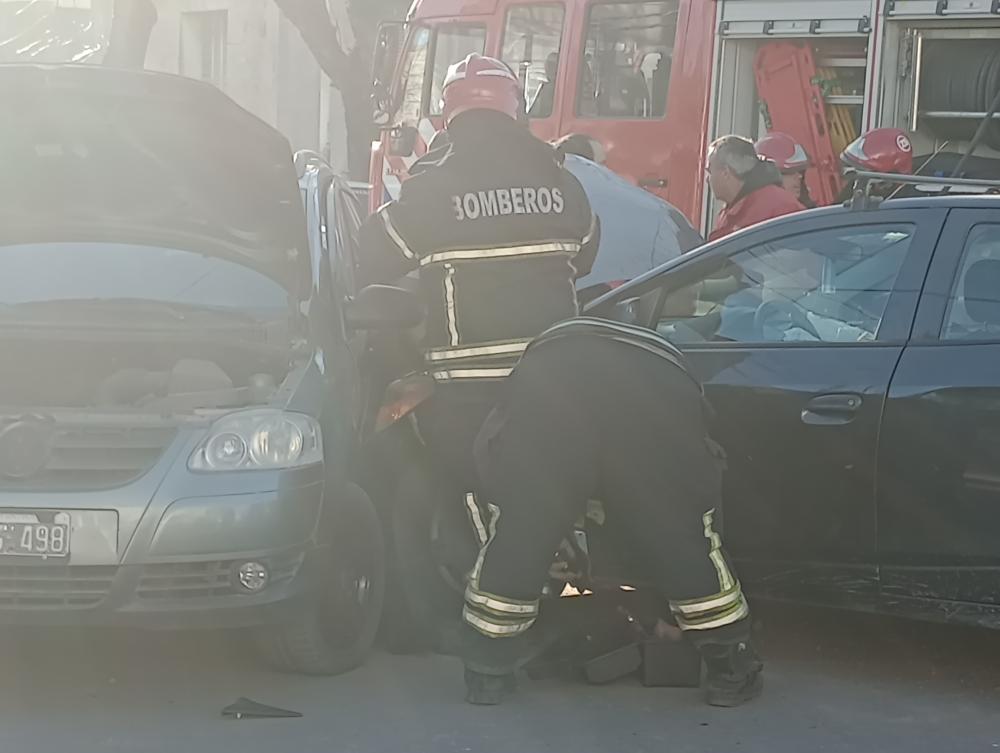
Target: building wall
246,47
250,63
267,68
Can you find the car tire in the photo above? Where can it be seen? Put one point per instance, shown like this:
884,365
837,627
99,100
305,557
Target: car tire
335,634
435,546
398,632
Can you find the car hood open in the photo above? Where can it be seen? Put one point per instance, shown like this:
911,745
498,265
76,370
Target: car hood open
90,153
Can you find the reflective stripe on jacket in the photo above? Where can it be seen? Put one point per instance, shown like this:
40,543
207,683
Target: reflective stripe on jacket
498,230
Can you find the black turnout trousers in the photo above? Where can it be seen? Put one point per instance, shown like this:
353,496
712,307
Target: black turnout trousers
609,412
448,424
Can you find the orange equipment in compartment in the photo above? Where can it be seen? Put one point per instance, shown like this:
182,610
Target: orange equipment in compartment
788,85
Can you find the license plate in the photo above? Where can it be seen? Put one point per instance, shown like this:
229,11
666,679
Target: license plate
29,533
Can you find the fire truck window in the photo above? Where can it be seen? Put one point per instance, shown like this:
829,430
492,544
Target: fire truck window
532,38
627,59
414,74
453,43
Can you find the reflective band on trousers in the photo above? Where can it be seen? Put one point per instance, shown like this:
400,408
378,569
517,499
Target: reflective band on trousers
491,531
726,579
491,614
736,613
496,629
500,605
722,608
698,606
476,517
509,348
453,374
472,254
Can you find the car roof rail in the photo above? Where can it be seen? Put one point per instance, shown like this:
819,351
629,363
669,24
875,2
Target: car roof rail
862,199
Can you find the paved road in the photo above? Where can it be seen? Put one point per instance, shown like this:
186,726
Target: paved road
834,683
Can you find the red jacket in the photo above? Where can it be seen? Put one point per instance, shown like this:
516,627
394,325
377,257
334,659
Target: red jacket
761,204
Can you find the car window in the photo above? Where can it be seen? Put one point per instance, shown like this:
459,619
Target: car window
454,43
974,304
828,286
627,59
532,38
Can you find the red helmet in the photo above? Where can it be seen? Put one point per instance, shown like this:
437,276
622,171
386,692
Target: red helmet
884,150
785,152
481,83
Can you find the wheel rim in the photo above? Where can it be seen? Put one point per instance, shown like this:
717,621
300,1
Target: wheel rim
346,611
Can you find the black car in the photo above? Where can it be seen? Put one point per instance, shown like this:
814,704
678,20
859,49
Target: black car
853,360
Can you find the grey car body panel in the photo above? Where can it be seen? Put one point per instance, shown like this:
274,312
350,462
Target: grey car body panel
247,522
161,550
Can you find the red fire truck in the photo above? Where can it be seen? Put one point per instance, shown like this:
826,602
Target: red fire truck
603,69
655,80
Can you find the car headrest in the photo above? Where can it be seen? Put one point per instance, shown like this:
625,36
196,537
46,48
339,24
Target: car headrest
982,292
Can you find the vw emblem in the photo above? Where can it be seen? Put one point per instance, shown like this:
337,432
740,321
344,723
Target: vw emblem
25,444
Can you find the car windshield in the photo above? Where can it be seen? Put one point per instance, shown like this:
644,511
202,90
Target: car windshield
77,274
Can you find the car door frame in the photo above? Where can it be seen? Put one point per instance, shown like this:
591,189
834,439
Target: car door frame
926,588
643,300
944,270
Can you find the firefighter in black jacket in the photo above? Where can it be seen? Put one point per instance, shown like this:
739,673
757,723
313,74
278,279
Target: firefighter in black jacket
499,231
601,410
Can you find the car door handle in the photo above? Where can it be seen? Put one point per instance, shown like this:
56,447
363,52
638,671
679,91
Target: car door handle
832,410
653,183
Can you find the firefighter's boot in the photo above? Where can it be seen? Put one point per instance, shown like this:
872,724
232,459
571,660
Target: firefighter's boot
733,675
487,690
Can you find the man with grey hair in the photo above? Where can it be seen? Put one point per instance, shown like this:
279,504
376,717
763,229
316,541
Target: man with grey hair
750,186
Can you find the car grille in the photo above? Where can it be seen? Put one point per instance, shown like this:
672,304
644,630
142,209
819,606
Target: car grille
54,586
95,457
198,580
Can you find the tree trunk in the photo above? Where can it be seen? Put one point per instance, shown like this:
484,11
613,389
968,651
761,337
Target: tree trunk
347,70
132,23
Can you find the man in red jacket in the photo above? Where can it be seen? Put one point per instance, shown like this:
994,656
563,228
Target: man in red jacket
750,187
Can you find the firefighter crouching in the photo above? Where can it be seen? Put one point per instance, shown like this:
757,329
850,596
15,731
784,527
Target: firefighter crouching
750,186
498,231
563,434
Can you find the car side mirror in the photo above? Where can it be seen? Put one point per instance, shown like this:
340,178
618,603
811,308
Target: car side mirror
380,307
402,141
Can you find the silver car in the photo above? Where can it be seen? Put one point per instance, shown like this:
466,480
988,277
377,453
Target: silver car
178,397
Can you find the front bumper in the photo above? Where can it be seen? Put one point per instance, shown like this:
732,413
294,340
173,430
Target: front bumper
175,567
179,595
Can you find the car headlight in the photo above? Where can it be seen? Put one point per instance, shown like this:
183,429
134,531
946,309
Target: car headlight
259,440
